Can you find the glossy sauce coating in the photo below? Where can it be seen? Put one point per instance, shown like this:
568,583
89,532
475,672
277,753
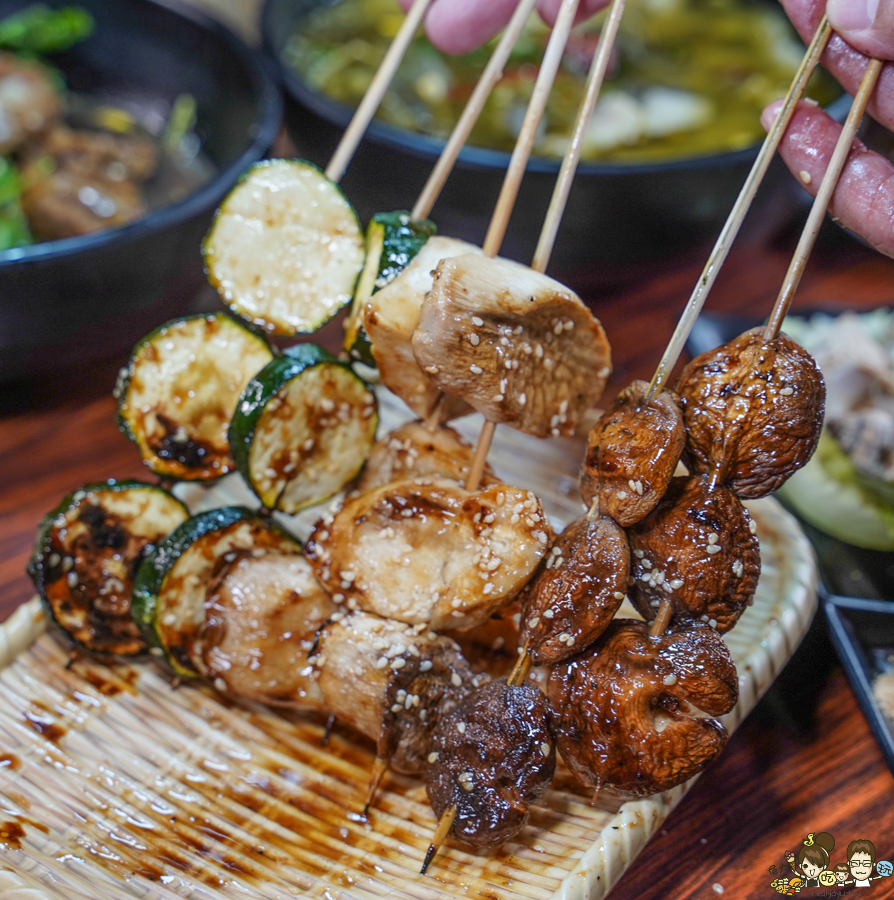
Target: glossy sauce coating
426,551
492,757
632,452
630,711
753,412
577,589
698,547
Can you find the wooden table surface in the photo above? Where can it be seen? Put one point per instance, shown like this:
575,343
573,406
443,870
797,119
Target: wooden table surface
803,762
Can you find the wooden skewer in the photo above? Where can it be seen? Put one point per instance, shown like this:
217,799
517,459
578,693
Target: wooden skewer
740,208
492,73
380,767
518,162
821,201
445,823
375,92
570,162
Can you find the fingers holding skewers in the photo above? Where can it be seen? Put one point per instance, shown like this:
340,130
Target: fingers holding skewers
864,198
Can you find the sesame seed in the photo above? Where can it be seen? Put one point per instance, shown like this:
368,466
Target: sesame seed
669,679
434,756
714,548
498,398
474,340
713,537
787,392
544,749
805,176
475,370
618,595
712,623
456,681
461,727
752,526
676,584
534,622
398,663
478,321
738,568
622,495
432,370
522,399
467,786
548,614
71,579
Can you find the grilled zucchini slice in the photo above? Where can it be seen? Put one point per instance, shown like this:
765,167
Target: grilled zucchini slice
173,581
392,240
87,552
303,428
285,248
178,392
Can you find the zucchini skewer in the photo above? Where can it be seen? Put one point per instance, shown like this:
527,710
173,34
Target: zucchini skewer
87,552
177,394
302,429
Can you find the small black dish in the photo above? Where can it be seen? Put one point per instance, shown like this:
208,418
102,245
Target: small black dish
616,213
79,300
863,634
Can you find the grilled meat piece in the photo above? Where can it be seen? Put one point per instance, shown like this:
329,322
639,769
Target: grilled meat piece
753,412
516,345
29,101
699,547
413,451
493,756
632,712
577,589
426,551
632,453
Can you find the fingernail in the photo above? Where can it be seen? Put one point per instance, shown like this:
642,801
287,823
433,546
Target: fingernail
851,15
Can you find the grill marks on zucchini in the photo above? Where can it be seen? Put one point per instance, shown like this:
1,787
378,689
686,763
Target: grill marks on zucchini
87,552
177,395
303,428
172,583
285,248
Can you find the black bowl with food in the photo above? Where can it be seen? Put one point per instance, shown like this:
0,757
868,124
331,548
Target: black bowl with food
647,192
159,94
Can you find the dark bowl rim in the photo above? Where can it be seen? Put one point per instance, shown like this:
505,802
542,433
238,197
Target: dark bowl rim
481,157
265,84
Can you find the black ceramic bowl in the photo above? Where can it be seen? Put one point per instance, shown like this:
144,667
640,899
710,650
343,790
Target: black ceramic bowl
80,299
616,213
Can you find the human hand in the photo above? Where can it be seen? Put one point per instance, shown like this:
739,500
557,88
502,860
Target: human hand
864,198
458,26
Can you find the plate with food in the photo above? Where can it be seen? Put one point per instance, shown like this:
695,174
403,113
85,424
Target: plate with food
332,608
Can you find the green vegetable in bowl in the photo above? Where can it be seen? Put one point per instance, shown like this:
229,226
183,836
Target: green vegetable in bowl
38,29
14,230
834,497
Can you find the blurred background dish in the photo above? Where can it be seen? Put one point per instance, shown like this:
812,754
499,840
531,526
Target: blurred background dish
665,162
149,71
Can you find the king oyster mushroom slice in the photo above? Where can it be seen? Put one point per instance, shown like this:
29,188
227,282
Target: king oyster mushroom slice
392,682
391,316
262,615
427,551
518,346
413,451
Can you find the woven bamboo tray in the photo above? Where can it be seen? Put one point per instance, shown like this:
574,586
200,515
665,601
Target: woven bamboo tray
116,784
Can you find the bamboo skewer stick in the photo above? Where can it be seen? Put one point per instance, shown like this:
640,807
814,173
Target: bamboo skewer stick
492,73
518,162
375,92
740,209
525,143
571,159
821,201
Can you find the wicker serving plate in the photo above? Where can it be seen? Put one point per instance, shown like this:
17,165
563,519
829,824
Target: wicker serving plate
114,783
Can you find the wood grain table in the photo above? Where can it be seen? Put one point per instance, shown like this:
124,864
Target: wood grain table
803,762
